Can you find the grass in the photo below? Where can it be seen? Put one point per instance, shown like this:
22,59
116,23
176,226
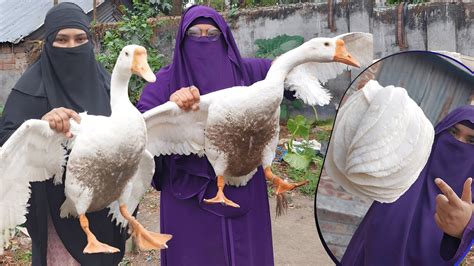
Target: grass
312,174
322,135
22,256
322,130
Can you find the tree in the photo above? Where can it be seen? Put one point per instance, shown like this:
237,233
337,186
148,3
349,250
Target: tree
177,8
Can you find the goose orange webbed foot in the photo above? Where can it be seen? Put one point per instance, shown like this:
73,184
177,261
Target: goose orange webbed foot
93,245
147,240
281,187
144,239
220,197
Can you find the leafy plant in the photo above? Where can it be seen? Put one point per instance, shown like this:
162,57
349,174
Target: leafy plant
133,29
305,163
312,175
299,157
271,48
161,6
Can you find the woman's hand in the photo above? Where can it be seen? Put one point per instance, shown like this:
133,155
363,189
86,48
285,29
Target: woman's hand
186,98
453,213
58,120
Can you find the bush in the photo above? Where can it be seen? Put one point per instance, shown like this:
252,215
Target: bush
133,29
271,48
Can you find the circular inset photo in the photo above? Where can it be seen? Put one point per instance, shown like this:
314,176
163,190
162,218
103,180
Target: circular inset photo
396,183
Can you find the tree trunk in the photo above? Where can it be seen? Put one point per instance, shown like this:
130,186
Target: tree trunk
94,12
177,8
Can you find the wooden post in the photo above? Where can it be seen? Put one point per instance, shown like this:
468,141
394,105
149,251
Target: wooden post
94,9
177,8
55,2
331,24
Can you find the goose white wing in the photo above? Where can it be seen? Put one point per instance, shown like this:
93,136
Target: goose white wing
33,153
174,131
307,79
381,142
138,186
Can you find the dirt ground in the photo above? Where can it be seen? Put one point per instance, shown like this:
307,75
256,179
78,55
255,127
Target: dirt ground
295,238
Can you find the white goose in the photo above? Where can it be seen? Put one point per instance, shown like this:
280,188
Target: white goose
381,141
108,165
237,128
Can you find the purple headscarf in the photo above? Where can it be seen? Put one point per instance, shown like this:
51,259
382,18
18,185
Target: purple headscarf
210,66
404,232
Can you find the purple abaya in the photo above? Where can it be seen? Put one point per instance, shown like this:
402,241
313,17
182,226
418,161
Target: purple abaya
208,234
405,232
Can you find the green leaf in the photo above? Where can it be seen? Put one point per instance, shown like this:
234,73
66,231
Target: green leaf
283,111
300,120
298,126
271,48
297,161
298,104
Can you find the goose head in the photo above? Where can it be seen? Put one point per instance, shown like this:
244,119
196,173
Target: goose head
133,60
328,50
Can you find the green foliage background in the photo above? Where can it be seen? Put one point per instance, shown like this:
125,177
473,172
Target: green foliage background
133,29
271,48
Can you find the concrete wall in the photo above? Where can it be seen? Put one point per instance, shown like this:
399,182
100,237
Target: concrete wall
437,26
434,26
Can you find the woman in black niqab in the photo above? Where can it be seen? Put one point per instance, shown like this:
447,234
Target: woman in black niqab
68,78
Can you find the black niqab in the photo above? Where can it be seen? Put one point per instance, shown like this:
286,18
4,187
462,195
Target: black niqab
57,69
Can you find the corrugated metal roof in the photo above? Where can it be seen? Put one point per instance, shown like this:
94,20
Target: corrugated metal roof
437,84
105,14
20,18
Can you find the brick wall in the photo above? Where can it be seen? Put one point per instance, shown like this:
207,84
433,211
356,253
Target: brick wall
13,62
339,213
13,57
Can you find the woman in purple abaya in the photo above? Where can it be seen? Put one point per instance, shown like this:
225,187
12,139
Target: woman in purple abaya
206,59
405,232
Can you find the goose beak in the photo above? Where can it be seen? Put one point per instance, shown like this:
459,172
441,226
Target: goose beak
343,56
140,65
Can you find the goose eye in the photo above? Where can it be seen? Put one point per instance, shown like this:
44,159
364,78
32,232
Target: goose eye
126,53
326,44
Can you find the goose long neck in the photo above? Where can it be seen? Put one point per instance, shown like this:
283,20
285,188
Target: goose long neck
285,63
119,88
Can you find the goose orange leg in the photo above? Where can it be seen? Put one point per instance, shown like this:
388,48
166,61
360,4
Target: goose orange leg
144,239
281,186
220,197
93,245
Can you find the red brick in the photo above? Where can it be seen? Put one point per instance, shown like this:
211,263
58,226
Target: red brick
21,55
8,66
327,184
7,58
344,196
337,228
20,48
325,215
6,49
325,191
